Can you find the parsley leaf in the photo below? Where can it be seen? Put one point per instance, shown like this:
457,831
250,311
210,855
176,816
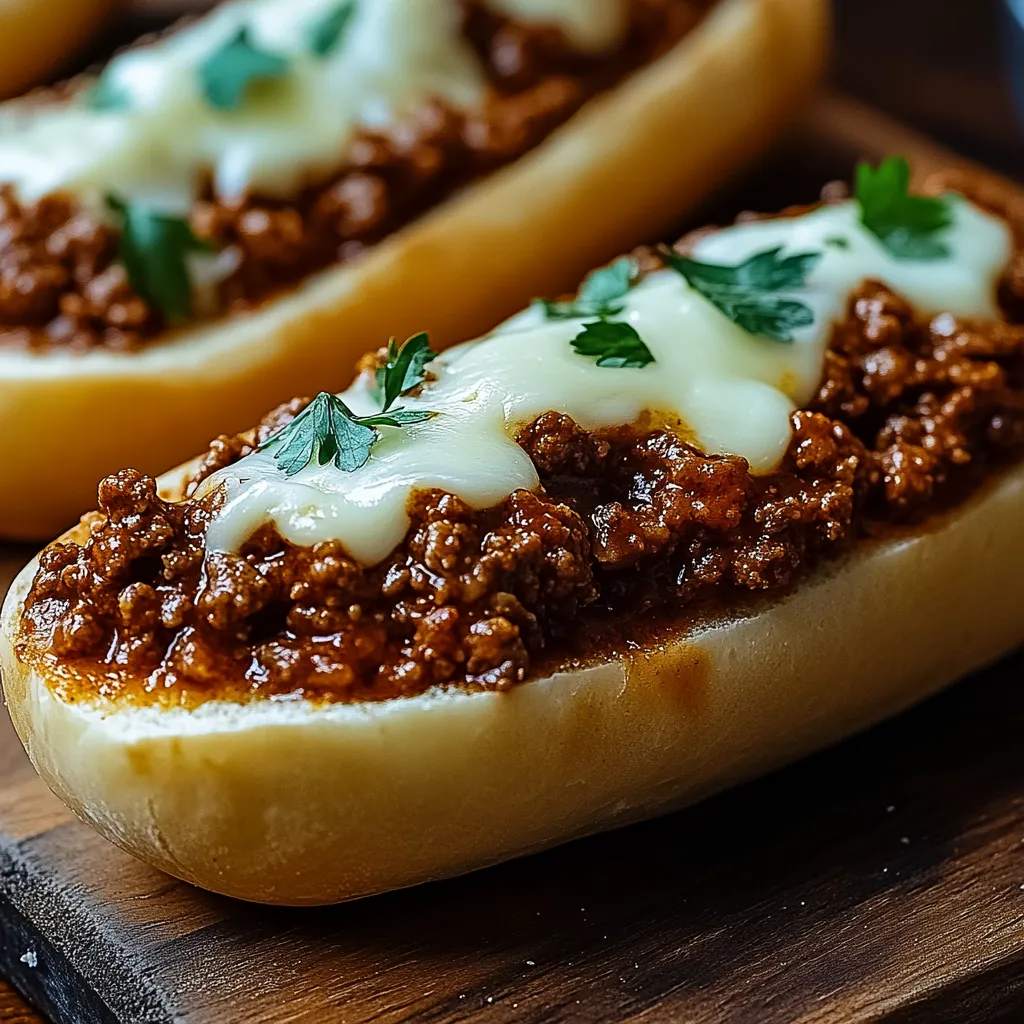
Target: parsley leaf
227,73
107,94
325,431
404,369
599,294
615,344
905,224
326,33
608,284
745,293
153,248
328,431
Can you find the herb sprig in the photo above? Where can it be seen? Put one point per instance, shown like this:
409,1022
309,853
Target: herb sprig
227,73
154,249
613,343
328,431
747,293
325,34
403,370
599,295
907,225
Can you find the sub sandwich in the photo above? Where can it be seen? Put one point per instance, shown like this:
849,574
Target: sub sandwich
732,501
225,216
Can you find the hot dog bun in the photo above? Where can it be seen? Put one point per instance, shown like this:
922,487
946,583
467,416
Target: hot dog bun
624,168
284,803
35,36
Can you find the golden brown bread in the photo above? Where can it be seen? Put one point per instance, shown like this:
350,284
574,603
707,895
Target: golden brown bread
36,36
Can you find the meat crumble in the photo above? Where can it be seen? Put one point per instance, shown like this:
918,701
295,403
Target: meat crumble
909,415
62,285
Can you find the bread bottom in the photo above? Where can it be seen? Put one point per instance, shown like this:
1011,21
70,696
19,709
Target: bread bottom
285,803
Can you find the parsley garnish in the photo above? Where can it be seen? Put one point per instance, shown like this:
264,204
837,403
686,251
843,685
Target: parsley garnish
599,294
905,224
615,344
328,431
326,33
746,293
228,72
404,369
108,94
153,249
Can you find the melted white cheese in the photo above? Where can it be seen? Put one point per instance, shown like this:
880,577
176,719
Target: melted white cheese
394,56
734,392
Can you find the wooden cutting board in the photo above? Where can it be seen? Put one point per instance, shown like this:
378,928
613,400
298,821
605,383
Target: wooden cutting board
882,880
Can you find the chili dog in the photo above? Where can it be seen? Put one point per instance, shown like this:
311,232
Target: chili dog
199,233
731,502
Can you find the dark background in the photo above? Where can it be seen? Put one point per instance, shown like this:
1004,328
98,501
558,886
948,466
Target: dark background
936,64
939,65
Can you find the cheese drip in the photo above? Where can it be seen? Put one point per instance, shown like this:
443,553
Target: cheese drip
393,56
733,392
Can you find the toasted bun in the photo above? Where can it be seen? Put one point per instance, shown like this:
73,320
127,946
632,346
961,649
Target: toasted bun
624,168
295,804
37,35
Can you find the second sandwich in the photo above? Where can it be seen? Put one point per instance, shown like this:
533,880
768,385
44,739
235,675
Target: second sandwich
228,214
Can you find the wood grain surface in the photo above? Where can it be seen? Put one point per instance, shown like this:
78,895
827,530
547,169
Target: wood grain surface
882,880
14,1009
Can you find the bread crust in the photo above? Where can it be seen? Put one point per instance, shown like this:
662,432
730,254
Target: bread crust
290,804
35,37
625,167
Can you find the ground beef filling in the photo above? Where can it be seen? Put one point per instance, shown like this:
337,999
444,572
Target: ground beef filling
909,414
61,283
